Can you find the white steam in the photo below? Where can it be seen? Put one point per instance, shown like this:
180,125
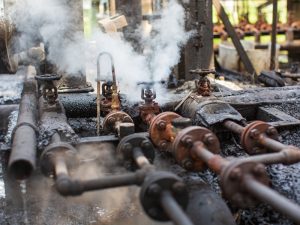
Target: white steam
165,45
51,21
161,52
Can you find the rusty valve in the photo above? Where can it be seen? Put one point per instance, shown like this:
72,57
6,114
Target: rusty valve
203,85
47,86
149,108
105,102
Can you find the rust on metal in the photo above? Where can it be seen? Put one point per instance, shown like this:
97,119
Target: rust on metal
149,108
114,119
161,130
183,147
256,135
233,175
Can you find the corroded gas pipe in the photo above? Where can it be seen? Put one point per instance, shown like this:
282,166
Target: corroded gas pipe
260,137
22,159
234,175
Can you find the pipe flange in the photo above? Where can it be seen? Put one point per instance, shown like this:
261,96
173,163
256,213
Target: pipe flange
161,130
113,118
58,149
231,182
251,133
128,143
151,191
184,142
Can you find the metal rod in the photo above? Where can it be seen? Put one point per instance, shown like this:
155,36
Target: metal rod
213,161
274,33
173,210
269,196
233,126
111,181
140,158
274,158
22,159
271,144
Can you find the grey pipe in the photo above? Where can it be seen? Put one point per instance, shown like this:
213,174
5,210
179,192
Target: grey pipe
22,159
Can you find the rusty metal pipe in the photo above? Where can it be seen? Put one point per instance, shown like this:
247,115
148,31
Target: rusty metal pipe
262,139
22,159
173,210
233,126
270,143
286,156
267,195
213,161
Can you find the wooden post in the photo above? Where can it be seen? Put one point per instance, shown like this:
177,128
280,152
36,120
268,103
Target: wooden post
198,53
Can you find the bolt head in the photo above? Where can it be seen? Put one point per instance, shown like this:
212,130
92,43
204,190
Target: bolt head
163,145
209,139
146,145
161,125
154,190
178,187
254,133
127,119
188,164
235,174
187,141
259,170
111,120
271,131
127,148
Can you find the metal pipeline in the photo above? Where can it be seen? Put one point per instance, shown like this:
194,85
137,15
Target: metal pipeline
260,137
168,188
22,159
173,210
195,143
267,195
68,187
287,156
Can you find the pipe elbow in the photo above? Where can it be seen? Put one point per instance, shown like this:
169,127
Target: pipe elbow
67,187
